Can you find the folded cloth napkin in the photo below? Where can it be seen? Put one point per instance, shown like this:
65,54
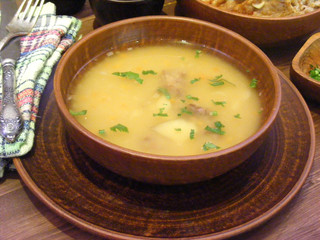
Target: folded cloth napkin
40,51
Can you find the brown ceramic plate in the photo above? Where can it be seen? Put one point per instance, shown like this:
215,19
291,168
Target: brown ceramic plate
103,203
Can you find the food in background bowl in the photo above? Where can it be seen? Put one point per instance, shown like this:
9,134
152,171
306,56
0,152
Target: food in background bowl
159,30
263,31
267,8
171,99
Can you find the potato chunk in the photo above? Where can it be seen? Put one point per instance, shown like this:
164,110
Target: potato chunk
177,130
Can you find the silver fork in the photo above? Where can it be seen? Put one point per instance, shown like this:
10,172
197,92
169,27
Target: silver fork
21,24
23,21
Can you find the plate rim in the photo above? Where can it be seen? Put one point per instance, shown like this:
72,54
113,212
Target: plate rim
103,232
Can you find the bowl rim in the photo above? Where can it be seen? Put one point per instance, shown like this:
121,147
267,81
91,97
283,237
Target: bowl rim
148,156
265,19
295,64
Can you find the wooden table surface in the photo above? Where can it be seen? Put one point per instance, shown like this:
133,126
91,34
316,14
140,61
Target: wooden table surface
23,216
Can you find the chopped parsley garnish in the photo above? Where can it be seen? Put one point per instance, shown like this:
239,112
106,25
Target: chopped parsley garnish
208,145
315,72
80,113
146,72
161,113
198,52
213,113
165,92
184,110
221,103
178,129
129,75
237,115
219,80
102,132
217,129
119,127
253,83
194,80
192,98
191,135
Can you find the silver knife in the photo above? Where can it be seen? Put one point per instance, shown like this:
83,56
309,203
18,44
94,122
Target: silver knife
10,117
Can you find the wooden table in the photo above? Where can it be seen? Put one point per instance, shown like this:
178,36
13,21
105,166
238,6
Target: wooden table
23,216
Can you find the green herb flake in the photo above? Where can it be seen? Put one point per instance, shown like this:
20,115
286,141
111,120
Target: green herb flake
198,53
184,111
213,113
192,98
102,132
80,113
315,72
161,113
237,116
165,92
191,135
119,127
195,80
219,81
146,72
129,75
253,83
219,103
178,129
208,145
217,129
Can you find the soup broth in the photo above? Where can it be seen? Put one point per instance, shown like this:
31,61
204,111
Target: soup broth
166,100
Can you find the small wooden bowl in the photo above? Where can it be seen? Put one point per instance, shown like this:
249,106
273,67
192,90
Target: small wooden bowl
264,32
142,31
308,55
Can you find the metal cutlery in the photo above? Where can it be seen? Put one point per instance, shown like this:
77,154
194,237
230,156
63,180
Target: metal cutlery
21,24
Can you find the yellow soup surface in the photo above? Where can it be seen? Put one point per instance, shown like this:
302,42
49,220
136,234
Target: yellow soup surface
166,100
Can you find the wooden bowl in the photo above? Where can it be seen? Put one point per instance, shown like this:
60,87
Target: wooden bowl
308,55
107,11
264,32
155,30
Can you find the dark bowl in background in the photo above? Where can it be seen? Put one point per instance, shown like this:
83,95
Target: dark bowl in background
107,11
68,7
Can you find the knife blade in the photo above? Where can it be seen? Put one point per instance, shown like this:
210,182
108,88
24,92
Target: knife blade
10,117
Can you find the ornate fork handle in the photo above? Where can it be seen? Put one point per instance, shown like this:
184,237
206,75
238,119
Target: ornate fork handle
10,117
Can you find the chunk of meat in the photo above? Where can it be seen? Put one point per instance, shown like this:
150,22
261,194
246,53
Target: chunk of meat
195,109
173,81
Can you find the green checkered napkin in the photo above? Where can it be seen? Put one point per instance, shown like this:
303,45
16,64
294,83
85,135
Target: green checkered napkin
40,51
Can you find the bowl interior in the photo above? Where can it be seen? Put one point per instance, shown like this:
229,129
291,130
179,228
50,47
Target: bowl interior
162,29
310,57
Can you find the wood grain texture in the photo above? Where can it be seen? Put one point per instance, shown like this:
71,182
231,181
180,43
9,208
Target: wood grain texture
21,210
